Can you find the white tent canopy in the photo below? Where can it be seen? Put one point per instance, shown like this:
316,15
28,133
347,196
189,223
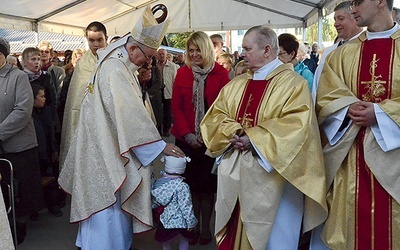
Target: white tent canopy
72,16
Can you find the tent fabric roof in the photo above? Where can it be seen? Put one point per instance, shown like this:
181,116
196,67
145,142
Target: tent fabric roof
22,39
72,16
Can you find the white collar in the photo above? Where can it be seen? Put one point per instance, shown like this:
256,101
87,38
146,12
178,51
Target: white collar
264,71
382,34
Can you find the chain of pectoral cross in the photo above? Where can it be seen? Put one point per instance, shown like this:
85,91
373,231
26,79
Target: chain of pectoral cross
245,121
375,87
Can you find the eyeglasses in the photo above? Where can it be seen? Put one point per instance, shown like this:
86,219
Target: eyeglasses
45,51
145,55
355,3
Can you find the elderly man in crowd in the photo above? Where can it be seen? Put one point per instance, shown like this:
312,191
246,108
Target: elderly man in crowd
168,71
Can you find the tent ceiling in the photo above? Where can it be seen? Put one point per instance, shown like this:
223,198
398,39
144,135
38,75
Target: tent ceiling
72,16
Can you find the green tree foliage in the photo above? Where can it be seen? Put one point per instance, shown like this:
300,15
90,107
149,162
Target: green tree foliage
328,31
178,40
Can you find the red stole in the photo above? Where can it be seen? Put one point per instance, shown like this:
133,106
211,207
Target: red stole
373,203
246,115
249,106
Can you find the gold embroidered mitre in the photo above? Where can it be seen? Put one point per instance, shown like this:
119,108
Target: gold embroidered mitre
148,32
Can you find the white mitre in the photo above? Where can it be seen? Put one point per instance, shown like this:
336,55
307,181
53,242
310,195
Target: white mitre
148,32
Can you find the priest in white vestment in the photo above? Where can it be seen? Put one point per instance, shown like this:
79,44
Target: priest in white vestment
106,167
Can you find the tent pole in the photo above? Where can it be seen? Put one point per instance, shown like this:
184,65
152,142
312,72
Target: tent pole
320,19
189,16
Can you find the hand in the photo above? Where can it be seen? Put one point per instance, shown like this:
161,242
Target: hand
192,140
172,150
242,143
362,113
144,75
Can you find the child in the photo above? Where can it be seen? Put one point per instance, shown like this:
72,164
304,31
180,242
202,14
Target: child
174,195
47,147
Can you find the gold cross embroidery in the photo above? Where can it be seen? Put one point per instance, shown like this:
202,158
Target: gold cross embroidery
245,121
375,87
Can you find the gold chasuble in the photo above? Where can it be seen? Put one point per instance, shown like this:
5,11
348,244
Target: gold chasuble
364,198
278,116
76,92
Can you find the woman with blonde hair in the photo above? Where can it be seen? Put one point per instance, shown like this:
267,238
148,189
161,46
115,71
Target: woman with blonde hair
197,85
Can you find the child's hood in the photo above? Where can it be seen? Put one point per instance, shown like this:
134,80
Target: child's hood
164,193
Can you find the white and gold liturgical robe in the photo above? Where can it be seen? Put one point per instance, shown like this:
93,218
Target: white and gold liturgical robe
103,163
277,114
363,163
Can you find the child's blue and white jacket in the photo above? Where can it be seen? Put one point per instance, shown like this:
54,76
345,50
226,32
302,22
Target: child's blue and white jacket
174,194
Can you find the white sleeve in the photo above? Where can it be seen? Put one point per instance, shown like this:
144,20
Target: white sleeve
332,124
262,160
149,152
386,131
317,75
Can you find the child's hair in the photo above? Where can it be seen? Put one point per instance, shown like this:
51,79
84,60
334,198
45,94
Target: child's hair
36,88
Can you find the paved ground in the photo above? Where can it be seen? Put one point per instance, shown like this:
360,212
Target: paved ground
52,233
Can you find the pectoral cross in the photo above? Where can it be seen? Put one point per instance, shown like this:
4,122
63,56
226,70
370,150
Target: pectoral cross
89,88
245,121
375,87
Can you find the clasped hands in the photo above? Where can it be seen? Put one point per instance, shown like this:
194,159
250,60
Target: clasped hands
240,142
362,113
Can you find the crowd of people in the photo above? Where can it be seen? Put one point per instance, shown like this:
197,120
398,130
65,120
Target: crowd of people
291,148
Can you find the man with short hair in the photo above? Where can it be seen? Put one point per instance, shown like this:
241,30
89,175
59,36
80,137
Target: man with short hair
263,129
96,35
168,71
347,30
106,169
180,59
314,53
218,43
358,111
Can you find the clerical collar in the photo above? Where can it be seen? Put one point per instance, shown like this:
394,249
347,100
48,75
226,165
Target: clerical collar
264,71
382,34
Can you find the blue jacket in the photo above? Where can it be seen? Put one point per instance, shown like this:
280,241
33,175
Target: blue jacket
303,70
